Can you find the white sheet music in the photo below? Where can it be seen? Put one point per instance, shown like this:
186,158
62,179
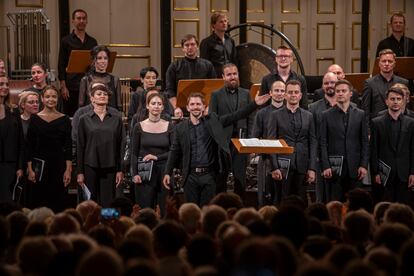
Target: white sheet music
255,142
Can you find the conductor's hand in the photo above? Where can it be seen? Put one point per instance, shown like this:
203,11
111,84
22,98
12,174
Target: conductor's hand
261,99
65,93
166,181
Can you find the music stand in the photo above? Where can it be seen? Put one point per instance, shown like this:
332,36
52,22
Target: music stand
254,89
285,149
205,86
403,67
80,60
357,80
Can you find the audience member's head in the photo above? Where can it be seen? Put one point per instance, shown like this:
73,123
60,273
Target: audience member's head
134,249
318,210
103,235
335,210
227,201
40,214
292,223
63,223
7,207
384,260
190,217
359,199
85,208
169,237
406,258
256,255
293,200
123,204
359,227
392,236
141,267
341,255
316,246
213,216
245,216
316,269
268,212
81,244
315,227
76,215
333,232
141,233
18,223
201,251
35,254
360,268
287,259
148,217
259,228
100,261
400,213
379,211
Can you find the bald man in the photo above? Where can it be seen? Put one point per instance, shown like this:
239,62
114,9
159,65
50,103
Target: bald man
339,72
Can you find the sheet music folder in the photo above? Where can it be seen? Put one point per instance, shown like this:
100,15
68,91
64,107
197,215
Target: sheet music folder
262,146
80,60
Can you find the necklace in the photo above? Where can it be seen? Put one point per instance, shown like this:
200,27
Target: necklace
154,121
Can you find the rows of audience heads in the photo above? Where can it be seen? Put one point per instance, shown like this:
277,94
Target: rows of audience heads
222,238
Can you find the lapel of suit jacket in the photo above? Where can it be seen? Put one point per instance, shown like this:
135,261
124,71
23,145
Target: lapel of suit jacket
186,135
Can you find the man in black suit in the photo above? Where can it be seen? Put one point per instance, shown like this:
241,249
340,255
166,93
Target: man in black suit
392,143
316,108
406,101
344,144
284,72
267,192
373,93
202,149
226,100
340,74
296,126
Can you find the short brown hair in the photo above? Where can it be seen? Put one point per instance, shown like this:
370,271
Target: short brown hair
188,37
397,14
294,82
395,90
153,95
344,81
215,17
99,86
196,95
386,52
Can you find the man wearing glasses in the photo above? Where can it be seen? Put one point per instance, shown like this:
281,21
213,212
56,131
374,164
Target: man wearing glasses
284,60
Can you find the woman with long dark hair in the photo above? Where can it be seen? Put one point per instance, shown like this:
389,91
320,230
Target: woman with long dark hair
98,73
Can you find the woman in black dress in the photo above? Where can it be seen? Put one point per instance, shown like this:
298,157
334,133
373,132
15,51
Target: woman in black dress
11,142
100,145
151,140
100,56
49,154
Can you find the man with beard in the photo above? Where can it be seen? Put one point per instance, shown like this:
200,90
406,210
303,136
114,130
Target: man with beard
340,74
316,108
296,126
375,88
77,40
284,72
392,144
267,192
343,140
226,100
202,149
